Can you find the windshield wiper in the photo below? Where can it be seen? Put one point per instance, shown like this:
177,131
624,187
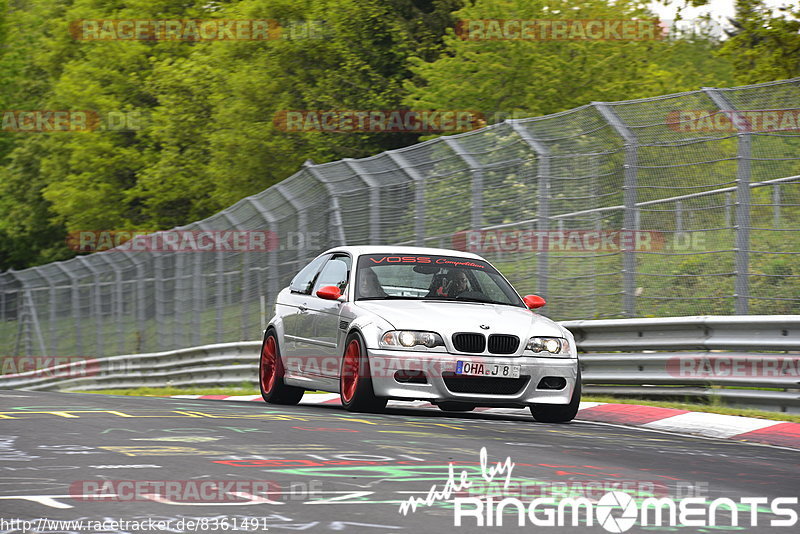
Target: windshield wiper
467,299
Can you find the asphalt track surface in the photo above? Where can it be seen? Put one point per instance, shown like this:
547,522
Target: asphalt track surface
322,469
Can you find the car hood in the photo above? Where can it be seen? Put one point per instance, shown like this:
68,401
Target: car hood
447,318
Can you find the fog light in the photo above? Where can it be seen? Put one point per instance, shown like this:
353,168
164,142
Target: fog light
410,377
552,382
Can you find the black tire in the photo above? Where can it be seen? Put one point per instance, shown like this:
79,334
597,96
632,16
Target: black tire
559,413
455,406
355,381
270,374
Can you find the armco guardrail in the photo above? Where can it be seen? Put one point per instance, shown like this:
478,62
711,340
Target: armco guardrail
712,332
223,364
701,356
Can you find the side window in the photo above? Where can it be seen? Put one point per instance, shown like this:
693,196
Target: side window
304,280
335,273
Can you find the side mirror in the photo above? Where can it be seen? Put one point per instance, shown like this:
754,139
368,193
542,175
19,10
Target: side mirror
533,301
329,293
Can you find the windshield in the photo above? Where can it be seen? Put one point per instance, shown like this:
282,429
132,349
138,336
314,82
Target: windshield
427,277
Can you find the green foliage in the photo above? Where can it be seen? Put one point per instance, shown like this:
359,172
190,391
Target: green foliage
764,46
207,136
529,78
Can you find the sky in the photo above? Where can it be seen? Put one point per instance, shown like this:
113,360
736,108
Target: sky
721,11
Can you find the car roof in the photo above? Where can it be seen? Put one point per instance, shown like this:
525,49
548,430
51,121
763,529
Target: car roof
389,249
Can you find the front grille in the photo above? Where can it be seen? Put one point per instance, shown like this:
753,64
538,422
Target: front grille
484,384
503,344
469,342
476,343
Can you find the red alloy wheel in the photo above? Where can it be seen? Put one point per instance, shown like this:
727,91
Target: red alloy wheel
268,364
352,357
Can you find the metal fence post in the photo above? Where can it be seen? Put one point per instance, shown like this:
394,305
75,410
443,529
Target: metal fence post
629,195
27,317
236,224
141,299
138,299
219,300
3,297
76,307
476,170
336,212
272,259
543,214
374,200
419,194
302,220
28,300
96,305
34,328
178,306
728,201
53,318
742,260
776,206
117,301
158,300
198,298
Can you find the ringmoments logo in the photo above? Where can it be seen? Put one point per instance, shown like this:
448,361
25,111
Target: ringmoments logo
614,511
617,512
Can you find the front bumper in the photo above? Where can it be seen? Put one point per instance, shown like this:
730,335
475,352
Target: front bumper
438,369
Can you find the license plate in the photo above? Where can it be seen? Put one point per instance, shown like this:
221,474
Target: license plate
487,369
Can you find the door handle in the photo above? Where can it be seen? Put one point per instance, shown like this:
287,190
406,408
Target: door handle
303,308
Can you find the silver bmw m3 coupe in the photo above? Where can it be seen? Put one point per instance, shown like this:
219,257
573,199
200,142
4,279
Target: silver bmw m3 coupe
377,323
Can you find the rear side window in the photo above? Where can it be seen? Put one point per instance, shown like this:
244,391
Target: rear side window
303,282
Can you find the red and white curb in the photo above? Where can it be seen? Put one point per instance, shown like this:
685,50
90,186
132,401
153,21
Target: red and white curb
665,419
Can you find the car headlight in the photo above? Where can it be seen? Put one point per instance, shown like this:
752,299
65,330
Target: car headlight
411,338
552,345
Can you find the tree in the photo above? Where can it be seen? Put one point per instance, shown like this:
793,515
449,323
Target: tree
27,234
764,46
507,78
